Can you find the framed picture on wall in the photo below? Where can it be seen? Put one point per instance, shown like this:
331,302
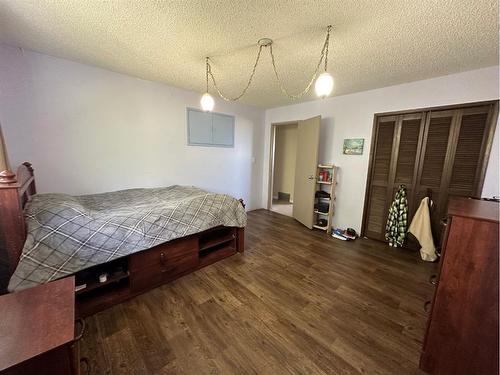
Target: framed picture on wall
354,146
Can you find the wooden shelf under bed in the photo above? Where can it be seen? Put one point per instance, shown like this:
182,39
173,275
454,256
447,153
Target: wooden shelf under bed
97,284
141,271
214,240
216,245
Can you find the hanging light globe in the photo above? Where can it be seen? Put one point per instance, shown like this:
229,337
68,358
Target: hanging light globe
324,85
207,102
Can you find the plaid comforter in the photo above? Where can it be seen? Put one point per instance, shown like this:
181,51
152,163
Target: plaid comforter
66,234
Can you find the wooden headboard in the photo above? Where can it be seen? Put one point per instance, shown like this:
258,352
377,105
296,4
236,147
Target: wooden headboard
15,190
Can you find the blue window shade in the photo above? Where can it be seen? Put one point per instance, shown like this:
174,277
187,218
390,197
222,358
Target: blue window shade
210,129
199,128
222,130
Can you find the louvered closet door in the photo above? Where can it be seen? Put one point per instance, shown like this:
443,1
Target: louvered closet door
409,134
436,151
464,171
441,153
377,205
455,148
468,160
395,161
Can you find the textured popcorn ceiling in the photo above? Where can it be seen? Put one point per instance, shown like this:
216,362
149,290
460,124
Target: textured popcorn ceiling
375,43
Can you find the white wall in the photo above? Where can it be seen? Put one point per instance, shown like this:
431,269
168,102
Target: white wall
90,130
351,116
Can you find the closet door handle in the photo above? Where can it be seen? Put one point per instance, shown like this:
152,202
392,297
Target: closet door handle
310,178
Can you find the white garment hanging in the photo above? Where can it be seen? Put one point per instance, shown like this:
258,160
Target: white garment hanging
420,227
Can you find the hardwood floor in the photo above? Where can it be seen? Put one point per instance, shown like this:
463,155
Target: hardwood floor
296,302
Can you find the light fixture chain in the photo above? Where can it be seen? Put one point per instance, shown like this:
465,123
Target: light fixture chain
323,55
282,87
250,79
207,69
327,44
323,58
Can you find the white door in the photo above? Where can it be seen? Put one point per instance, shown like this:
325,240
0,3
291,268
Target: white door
305,170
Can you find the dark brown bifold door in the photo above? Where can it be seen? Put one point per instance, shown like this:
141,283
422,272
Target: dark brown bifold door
377,197
394,162
441,153
468,158
409,134
473,143
455,154
437,148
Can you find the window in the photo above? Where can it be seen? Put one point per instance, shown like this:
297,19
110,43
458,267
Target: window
210,129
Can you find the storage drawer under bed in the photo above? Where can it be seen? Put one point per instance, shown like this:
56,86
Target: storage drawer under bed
162,263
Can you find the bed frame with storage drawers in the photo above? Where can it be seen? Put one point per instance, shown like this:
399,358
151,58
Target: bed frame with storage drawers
126,277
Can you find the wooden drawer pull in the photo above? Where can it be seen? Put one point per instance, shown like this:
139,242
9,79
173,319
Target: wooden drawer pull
165,265
433,280
83,327
162,262
427,304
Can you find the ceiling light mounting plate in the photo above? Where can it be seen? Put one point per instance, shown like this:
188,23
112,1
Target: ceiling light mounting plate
265,42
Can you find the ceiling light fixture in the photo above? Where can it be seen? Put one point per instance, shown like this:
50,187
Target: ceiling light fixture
207,102
323,85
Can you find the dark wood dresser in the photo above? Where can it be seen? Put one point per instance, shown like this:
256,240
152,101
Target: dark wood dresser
462,331
37,330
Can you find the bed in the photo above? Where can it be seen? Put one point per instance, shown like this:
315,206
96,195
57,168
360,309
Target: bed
117,244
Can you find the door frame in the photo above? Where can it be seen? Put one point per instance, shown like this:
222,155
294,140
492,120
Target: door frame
271,158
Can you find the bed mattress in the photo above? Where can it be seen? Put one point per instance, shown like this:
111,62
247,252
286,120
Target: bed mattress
66,234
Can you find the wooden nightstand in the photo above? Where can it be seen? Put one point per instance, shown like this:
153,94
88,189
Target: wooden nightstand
37,330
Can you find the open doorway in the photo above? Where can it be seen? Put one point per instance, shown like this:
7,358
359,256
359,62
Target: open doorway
284,154
293,169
